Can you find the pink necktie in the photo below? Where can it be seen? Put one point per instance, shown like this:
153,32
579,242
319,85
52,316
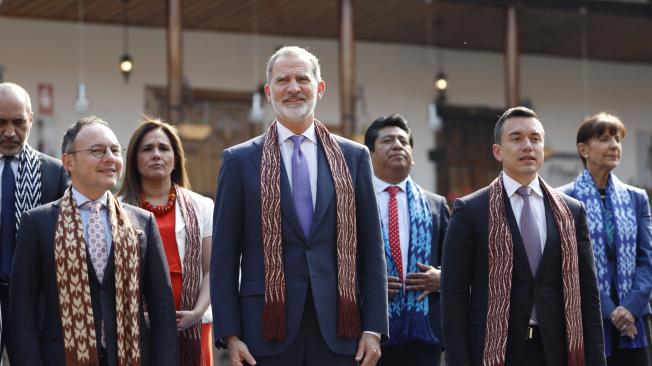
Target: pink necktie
97,239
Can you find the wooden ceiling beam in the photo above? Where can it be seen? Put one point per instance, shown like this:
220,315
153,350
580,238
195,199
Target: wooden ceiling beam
619,8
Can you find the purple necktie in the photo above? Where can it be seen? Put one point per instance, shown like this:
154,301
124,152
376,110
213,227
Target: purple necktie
530,234
301,185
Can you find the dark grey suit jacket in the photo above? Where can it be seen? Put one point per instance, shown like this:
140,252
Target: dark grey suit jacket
465,287
54,179
310,263
35,325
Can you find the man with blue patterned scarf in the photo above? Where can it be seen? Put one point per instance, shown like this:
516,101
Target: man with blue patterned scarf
413,225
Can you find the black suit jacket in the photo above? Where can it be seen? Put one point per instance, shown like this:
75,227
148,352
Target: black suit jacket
35,323
440,216
465,287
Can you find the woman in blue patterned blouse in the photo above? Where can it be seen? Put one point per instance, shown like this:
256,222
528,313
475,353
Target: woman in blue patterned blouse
618,216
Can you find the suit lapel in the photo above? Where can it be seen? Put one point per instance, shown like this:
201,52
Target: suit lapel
553,241
257,152
325,188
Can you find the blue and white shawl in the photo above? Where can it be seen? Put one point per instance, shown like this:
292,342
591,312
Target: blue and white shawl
409,320
619,202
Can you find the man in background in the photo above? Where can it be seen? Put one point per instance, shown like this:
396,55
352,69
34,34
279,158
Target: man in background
413,225
29,179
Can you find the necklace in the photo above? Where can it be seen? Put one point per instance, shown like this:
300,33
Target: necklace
161,209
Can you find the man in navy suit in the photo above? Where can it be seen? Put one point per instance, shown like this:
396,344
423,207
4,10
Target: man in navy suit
85,267
297,265
518,279
414,222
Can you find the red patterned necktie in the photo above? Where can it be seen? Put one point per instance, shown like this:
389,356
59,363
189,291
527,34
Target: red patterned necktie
394,236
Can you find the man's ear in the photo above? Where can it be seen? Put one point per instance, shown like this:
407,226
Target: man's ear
268,93
498,153
67,160
321,88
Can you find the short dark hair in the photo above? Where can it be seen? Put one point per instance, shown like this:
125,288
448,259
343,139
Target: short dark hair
511,113
388,121
72,131
131,185
598,125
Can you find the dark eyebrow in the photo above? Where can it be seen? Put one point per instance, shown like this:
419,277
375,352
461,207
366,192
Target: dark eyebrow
154,144
95,146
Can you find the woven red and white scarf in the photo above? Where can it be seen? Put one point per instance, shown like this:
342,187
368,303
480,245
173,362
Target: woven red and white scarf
274,315
500,253
75,307
189,339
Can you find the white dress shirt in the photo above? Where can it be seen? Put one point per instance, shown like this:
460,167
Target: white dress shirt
14,167
382,197
536,203
309,150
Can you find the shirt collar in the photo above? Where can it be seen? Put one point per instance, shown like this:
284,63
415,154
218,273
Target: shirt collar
80,199
381,185
511,185
284,133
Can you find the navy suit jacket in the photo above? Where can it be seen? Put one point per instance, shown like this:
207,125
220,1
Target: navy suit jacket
35,325
465,287
638,299
237,271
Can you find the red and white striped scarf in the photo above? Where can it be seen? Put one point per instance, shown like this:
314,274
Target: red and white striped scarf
189,338
274,314
500,256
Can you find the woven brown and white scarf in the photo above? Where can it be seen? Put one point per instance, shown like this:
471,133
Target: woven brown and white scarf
500,252
75,307
274,315
189,342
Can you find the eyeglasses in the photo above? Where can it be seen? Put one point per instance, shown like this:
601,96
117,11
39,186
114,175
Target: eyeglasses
100,151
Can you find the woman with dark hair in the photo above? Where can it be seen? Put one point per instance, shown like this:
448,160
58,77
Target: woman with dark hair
618,217
156,180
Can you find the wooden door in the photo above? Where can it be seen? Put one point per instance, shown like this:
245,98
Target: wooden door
464,159
225,114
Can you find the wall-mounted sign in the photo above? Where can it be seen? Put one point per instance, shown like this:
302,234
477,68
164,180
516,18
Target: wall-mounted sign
45,94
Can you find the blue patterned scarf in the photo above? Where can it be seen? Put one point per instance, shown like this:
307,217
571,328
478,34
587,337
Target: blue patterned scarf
408,318
623,219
